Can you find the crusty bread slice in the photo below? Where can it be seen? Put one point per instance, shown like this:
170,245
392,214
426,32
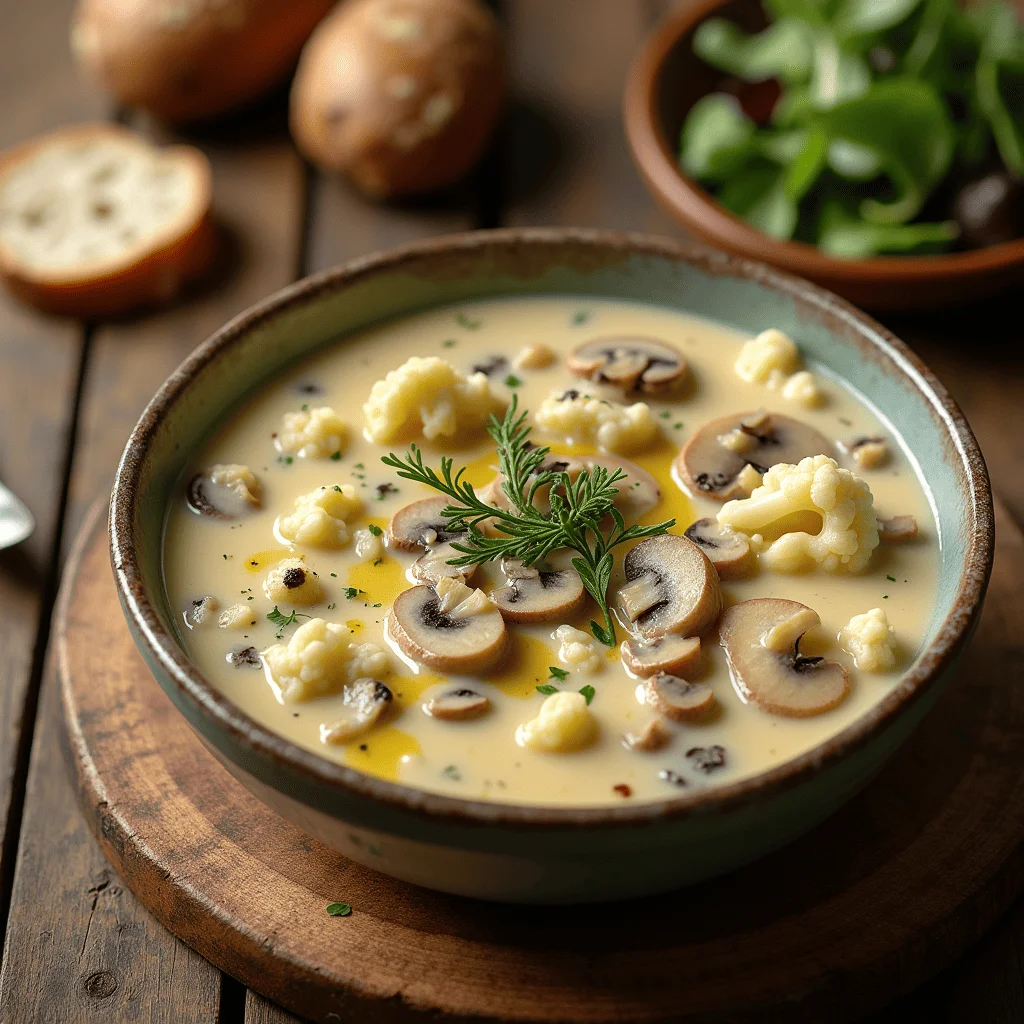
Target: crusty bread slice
96,221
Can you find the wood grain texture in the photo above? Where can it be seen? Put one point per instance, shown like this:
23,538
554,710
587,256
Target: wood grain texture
261,1011
39,357
882,896
80,946
567,160
258,197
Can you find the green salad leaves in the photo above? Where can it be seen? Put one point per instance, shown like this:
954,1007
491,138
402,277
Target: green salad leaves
881,103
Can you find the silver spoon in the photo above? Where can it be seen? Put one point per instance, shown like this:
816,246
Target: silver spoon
16,522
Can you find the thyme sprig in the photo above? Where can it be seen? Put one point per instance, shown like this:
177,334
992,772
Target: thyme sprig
578,511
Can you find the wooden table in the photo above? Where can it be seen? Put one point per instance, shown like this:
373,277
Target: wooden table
76,944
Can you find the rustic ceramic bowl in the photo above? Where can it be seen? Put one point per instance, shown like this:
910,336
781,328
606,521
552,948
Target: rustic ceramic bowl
547,854
664,83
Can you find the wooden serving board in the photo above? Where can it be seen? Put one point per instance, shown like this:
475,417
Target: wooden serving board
872,903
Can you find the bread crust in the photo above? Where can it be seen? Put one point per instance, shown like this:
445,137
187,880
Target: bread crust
400,95
186,60
151,273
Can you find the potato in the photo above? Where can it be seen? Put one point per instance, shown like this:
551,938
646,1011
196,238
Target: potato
399,95
185,60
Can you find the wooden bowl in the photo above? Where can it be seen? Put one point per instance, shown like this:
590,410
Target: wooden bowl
667,78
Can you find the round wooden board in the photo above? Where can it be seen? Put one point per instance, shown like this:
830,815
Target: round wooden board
878,899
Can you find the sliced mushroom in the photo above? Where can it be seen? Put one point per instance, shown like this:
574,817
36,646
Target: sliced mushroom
433,566
420,526
710,467
782,682
671,588
459,646
457,705
678,699
897,530
633,364
538,595
729,552
653,736
364,701
638,491
675,654
868,452
224,492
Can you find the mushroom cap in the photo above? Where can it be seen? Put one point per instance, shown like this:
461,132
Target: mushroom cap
459,646
675,654
728,551
783,683
632,363
433,565
538,595
671,588
457,705
653,736
678,699
708,467
638,491
420,525
219,500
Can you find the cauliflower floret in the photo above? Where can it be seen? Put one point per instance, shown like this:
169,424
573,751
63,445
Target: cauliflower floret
237,616
432,390
792,499
870,640
768,359
369,545
577,650
313,663
312,434
319,517
563,724
802,388
534,357
367,660
240,480
581,419
292,582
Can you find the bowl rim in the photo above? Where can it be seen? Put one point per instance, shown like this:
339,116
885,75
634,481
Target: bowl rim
700,211
951,637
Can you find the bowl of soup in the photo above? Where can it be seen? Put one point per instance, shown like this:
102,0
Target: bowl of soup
552,565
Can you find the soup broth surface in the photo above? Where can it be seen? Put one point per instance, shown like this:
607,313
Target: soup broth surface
481,758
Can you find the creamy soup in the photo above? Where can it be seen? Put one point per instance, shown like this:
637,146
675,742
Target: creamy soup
282,570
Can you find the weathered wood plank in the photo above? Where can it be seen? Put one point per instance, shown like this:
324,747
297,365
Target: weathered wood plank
569,162
39,356
259,198
261,1011
80,947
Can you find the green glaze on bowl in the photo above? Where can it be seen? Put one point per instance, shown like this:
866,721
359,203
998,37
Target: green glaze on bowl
545,854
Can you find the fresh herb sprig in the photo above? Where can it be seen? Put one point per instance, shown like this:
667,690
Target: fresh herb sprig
578,509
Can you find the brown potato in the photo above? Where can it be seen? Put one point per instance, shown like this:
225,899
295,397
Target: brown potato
399,95
185,60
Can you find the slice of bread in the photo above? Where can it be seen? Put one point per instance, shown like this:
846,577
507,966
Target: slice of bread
96,221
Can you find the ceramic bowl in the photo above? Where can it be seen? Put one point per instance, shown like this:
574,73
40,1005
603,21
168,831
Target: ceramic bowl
547,854
664,83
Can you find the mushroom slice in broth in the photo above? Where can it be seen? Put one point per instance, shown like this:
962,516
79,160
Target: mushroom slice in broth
671,588
712,460
538,595
460,646
729,552
783,682
633,364
674,654
420,525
